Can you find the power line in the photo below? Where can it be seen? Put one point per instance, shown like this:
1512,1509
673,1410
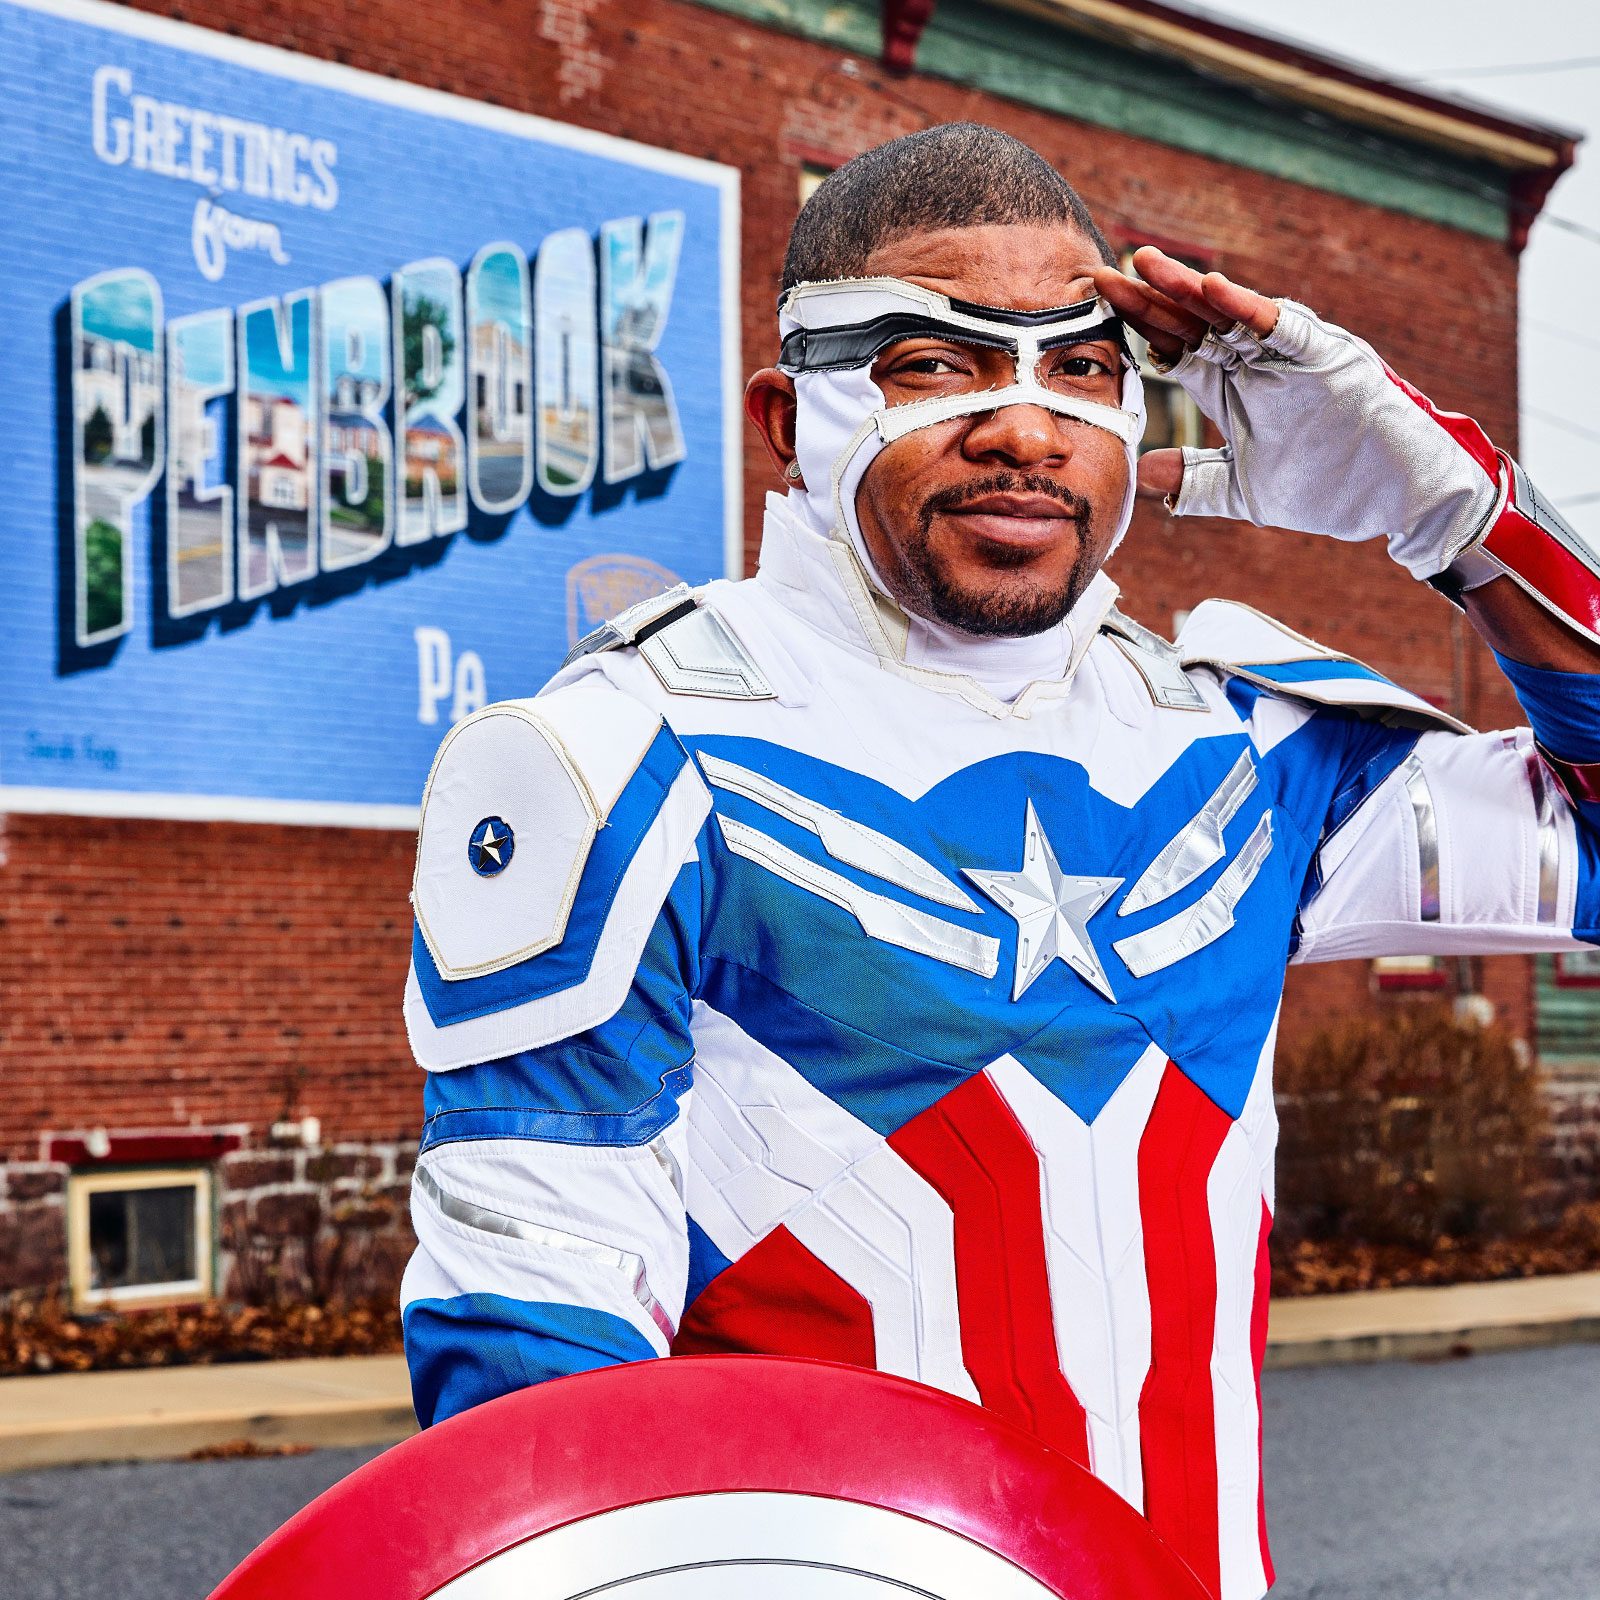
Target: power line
1556,420
1567,225
1565,64
1580,499
1545,325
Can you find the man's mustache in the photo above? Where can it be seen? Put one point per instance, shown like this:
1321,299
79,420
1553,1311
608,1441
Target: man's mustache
959,495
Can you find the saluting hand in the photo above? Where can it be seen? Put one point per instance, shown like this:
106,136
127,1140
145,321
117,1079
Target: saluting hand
1174,307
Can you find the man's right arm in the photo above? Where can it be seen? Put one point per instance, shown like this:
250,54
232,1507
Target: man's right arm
558,909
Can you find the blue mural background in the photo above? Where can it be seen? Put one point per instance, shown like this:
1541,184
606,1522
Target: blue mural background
308,697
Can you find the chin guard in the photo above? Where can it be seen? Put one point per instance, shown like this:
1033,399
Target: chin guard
833,332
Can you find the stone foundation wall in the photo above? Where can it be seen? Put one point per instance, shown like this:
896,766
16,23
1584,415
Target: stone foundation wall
33,1224
328,1221
320,1223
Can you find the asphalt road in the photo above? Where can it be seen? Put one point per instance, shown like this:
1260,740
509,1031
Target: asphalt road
1467,1480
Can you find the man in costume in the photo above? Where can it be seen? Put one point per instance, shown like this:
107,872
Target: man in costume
879,959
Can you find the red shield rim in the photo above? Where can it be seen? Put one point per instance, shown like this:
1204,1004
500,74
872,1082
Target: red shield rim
437,1505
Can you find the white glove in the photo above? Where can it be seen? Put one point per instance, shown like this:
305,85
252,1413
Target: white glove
1323,437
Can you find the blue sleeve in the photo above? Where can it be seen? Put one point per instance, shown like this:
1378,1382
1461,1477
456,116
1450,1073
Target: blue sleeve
549,1217
535,1135
1564,712
1563,707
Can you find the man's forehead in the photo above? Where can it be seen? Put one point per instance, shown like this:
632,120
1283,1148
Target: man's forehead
1026,266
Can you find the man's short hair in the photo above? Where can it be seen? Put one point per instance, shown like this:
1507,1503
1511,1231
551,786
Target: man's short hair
957,175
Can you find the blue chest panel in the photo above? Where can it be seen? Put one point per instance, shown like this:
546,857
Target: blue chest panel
885,1031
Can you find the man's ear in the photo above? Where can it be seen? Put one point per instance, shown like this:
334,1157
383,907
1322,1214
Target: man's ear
769,403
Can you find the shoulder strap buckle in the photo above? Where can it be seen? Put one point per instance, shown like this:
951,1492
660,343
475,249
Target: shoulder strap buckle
1156,662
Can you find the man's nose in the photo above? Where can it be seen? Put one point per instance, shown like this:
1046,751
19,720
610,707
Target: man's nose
1019,435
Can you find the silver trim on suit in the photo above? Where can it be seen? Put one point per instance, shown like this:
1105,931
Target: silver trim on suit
880,917
698,654
845,839
1157,662
1211,916
1198,845
1427,821
620,629
471,1215
1549,838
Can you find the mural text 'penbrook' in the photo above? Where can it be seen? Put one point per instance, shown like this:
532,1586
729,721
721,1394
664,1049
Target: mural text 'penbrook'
341,407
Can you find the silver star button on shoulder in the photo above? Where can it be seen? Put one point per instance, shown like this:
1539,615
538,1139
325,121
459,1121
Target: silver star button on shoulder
1052,911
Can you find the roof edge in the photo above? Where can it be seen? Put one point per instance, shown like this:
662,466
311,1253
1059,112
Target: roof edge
1295,71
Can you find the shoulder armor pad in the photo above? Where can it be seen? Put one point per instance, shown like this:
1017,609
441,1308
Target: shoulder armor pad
545,774
1156,662
1242,642
552,832
687,645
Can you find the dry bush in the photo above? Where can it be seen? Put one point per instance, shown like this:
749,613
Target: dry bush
1324,1266
1409,1130
43,1334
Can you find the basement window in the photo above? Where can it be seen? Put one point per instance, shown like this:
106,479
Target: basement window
139,1237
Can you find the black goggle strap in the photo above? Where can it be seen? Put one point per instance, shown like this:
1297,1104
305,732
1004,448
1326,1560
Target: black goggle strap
839,349
836,349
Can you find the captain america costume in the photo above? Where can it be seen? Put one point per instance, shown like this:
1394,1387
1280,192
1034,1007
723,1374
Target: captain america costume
794,975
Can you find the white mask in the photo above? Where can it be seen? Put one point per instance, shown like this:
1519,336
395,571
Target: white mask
833,332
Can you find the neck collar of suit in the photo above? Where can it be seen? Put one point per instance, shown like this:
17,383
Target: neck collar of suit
824,582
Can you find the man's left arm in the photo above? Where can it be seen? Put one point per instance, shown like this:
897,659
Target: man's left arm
1322,436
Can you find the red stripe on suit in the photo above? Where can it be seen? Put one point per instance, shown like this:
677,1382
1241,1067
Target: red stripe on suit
1176,1412
973,1151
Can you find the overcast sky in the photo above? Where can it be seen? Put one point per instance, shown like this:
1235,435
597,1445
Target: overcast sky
1440,42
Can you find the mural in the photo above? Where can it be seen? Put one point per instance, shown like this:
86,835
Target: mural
335,407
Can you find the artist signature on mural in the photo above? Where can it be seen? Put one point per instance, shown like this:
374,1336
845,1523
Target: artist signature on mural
63,748
217,230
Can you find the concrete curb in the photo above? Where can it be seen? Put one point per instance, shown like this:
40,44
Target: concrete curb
69,1419
1422,1324
66,1419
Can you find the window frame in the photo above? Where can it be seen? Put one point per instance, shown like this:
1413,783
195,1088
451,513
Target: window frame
1573,980
1395,974
81,1186
810,177
1194,429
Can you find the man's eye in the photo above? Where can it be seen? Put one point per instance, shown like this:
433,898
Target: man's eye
1082,367
928,365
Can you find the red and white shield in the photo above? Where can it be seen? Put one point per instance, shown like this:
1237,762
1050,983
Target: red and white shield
710,1478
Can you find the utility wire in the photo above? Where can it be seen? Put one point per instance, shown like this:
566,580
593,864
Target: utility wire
1580,499
1571,335
1510,70
1556,420
1567,225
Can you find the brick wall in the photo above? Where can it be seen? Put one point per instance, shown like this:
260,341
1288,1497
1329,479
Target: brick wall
159,975
163,973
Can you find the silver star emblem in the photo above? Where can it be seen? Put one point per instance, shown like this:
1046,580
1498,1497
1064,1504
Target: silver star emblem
489,846
1052,909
